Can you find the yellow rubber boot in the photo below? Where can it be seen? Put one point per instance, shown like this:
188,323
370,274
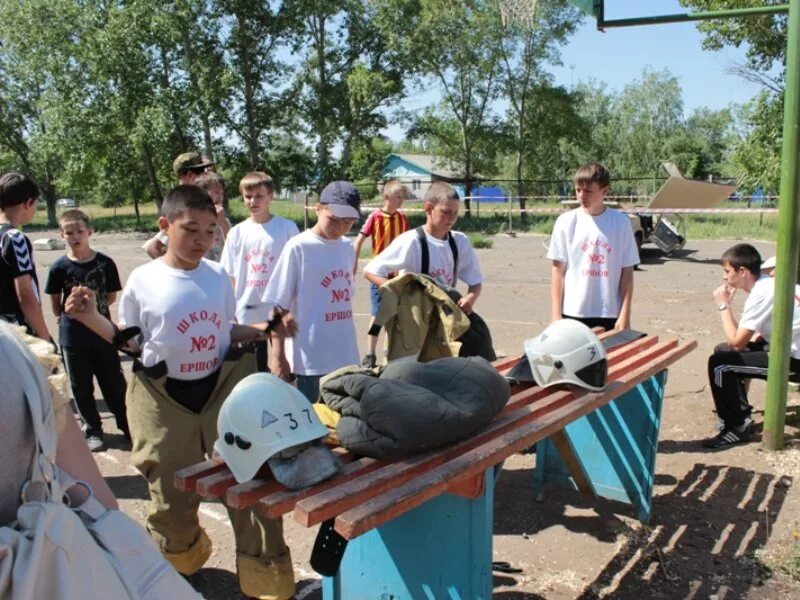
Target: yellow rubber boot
271,580
192,559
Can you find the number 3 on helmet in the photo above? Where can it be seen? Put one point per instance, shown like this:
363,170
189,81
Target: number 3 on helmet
262,416
567,352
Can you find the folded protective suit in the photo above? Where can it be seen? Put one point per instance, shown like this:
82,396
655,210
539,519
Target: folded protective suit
410,407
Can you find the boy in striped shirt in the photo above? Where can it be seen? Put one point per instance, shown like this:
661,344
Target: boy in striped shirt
383,226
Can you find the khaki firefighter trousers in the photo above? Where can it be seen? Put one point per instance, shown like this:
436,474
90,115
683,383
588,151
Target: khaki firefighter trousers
168,437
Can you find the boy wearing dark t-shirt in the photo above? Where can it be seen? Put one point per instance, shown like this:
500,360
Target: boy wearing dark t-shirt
87,355
20,301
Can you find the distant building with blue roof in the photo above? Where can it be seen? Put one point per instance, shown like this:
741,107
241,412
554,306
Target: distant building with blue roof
418,171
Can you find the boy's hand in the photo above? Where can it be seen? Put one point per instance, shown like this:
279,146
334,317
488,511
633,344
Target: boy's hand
220,212
622,323
288,326
81,301
466,303
724,294
279,366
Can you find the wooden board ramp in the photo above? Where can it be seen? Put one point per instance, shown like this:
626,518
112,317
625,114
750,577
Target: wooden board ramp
369,492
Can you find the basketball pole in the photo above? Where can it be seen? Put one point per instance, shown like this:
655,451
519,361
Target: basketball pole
788,244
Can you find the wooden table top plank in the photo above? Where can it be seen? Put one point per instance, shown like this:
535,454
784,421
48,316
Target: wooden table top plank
245,495
284,501
620,363
436,481
320,507
186,479
216,484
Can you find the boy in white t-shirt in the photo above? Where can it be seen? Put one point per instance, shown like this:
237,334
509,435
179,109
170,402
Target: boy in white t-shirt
184,307
745,353
312,284
594,253
251,250
450,255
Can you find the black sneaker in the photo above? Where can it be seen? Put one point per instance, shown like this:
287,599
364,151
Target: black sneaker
95,443
369,361
729,436
747,426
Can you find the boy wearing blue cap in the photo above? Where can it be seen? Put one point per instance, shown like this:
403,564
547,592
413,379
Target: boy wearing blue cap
318,262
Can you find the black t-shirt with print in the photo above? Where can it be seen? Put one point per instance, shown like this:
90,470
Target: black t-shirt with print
16,260
100,274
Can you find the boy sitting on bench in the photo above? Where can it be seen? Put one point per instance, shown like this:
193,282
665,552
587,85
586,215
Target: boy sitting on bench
745,354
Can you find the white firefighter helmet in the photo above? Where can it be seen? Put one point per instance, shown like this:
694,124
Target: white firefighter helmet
567,352
262,416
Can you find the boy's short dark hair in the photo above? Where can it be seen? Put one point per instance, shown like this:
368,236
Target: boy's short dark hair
742,255
72,215
592,172
256,179
440,192
183,198
208,179
16,189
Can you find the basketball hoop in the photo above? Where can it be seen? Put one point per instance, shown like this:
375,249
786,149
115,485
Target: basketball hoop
520,12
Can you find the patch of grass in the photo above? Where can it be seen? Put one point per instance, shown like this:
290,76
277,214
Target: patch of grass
784,559
478,240
732,227
486,220
123,218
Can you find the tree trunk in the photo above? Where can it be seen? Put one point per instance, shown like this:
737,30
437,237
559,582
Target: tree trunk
147,155
249,93
200,103
323,150
165,85
520,187
48,191
467,170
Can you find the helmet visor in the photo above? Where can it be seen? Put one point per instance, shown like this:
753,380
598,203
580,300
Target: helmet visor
595,374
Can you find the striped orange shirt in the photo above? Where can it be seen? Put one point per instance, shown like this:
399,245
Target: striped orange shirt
383,228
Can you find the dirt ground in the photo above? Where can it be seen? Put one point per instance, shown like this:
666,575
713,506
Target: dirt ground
717,518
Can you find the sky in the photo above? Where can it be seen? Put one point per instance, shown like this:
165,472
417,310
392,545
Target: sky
618,57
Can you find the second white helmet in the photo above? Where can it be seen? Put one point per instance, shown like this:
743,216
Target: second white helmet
567,352
261,417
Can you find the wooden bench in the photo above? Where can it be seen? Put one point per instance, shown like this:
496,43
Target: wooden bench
422,527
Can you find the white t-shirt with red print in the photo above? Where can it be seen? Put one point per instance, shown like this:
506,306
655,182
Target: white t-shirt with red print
185,316
757,312
313,279
595,250
404,255
249,256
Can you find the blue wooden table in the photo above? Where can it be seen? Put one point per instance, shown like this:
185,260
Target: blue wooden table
422,527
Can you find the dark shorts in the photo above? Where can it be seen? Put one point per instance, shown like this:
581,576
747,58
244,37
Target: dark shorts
374,299
606,323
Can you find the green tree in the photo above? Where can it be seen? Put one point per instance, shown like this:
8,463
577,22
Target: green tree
253,80
348,76
538,115
456,45
367,159
756,155
763,37
649,112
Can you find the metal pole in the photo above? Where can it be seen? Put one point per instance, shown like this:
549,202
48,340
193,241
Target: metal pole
788,243
695,16
305,211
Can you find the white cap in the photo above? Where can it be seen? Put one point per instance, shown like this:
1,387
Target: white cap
769,263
